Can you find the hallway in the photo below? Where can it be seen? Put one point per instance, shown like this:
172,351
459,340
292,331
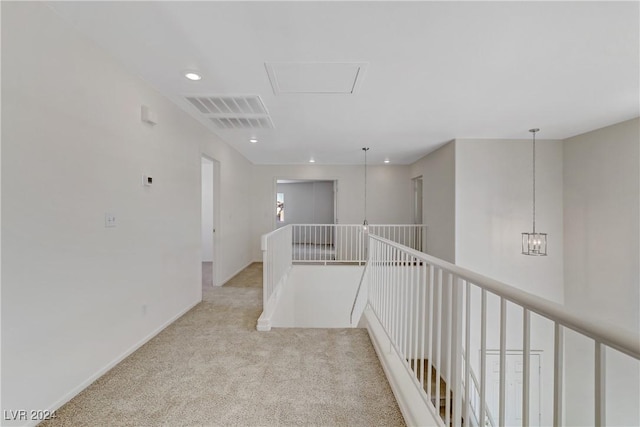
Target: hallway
211,367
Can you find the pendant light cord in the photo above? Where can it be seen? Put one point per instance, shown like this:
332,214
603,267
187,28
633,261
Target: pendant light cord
365,149
534,179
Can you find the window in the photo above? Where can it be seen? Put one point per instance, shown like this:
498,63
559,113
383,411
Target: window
280,207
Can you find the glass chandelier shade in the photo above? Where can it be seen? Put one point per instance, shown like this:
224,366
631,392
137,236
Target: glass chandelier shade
534,243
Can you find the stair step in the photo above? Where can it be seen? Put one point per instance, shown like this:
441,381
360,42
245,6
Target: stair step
413,364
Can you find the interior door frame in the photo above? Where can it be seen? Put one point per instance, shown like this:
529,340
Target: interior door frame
538,353
274,194
216,214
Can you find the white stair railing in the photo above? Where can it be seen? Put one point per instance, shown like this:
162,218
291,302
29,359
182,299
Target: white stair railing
424,305
319,244
360,301
347,243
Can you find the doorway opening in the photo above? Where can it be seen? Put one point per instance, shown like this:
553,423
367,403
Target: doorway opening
417,200
417,213
210,189
305,201
311,203
513,383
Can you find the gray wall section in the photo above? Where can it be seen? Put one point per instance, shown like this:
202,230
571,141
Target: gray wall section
439,200
601,257
307,202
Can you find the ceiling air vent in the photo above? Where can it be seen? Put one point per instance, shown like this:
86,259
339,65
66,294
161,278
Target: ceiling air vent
233,112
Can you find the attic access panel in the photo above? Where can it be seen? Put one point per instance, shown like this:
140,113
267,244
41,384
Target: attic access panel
342,78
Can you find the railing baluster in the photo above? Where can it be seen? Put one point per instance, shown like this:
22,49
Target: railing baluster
467,352
384,287
503,360
398,299
403,303
438,340
407,278
483,357
526,365
394,320
448,350
423,304
456,353
430,293
600,385
415,271
558,375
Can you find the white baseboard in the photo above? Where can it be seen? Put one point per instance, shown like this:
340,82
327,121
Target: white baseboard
76,390
232,275
268,310
414,409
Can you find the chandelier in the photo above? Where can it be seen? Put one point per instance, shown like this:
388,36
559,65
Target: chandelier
534,243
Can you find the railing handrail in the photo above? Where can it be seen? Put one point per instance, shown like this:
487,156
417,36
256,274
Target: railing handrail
487,413
611,335
265,237
355,300
353,225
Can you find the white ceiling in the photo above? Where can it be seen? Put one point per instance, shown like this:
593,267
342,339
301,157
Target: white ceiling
433,71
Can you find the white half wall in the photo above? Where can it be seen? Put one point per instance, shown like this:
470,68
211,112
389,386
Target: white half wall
318,297
389,196
602,262
77,297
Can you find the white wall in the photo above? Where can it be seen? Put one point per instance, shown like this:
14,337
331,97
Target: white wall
307,202
318,297
207,210
390,193
439,204
493,208
74,148
601,197
602,271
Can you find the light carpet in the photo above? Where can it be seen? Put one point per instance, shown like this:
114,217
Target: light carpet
211,367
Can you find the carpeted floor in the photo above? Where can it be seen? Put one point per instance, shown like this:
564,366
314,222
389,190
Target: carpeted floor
211,367
207,274
250,277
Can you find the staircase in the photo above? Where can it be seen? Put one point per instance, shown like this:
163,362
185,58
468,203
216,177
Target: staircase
416,305
433,390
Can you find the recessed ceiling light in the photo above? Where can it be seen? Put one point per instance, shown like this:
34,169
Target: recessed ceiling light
193,76
311,160
387,160
253,140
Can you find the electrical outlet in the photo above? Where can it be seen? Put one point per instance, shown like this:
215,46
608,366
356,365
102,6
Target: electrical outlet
144,309
109,220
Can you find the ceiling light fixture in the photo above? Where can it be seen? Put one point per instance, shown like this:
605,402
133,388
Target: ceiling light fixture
312,160
253,140
365,223
534,243
193,76
387,160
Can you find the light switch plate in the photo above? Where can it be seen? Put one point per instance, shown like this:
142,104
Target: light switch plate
109,220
